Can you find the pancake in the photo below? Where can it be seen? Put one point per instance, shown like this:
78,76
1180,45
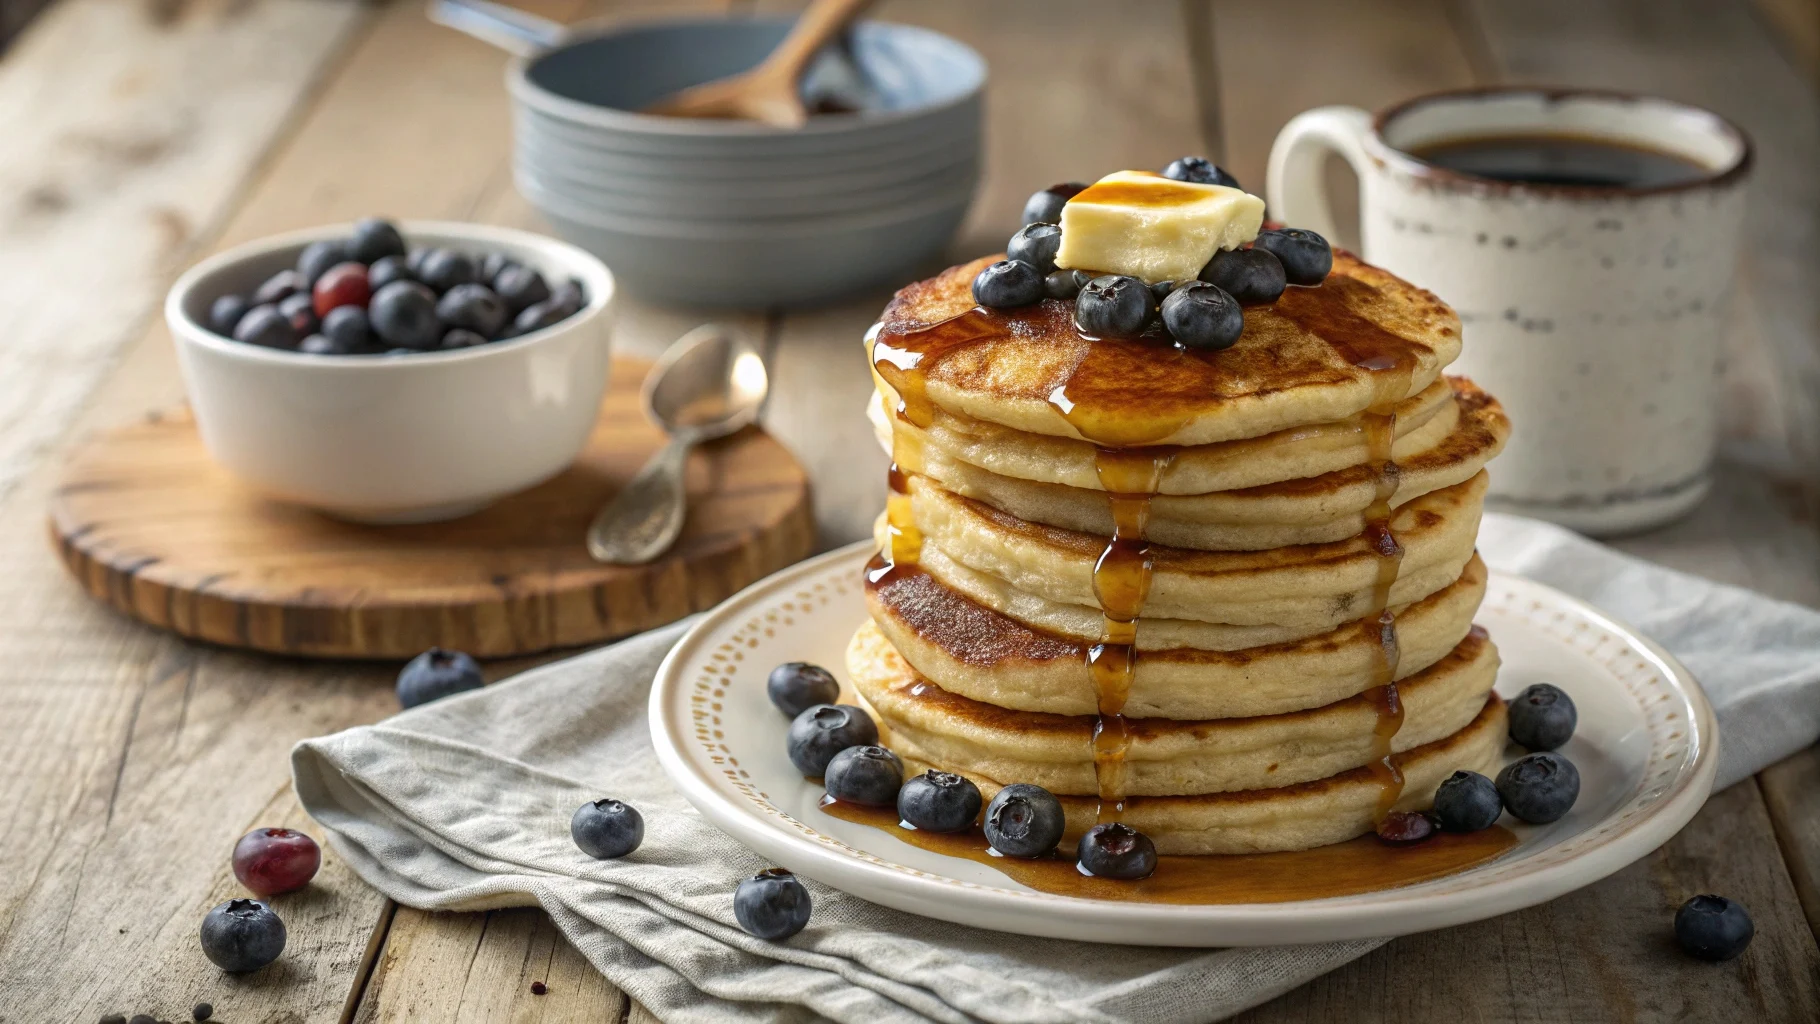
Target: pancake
1166,757
1294,454
1363,338
1300,817
1318,510
1313,587
974,652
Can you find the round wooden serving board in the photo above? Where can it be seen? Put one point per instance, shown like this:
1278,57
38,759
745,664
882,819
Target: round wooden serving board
150,525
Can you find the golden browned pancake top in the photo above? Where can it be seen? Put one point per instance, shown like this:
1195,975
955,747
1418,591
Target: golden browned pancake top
1316,355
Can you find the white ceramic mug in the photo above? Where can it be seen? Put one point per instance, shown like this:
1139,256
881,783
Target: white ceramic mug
1594,313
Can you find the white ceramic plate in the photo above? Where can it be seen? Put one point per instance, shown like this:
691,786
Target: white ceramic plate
1646,748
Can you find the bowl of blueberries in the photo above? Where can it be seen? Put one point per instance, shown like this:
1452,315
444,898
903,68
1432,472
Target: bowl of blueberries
391,372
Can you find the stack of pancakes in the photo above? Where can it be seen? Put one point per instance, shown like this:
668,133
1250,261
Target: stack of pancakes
1223,597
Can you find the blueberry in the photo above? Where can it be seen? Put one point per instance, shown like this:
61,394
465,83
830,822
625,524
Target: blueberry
1061,284
1539,788
264,325
1202,316
1306,256
1248,275
1161,290
225,312
1467,802
605,829
1036,244
413,261
436,674
772,904
825,730
473,306
1404,827
318,345
939,802
536,317
1008,283
348,328
300,312
1713,927
374,239
242,935
1542,717
318,257
1117,851
796,686
1114,306
202,1011
569,297
404,314
114,1018
1024,821
1199,170
461,337
491,264
869,775
386,270
519,286
445,268
1046,206
279,287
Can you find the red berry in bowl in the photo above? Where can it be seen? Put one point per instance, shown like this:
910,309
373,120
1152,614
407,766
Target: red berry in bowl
344,284
269,861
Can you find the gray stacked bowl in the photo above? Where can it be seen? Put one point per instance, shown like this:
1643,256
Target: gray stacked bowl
735,213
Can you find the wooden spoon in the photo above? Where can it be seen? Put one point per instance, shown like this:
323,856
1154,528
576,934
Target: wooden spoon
768,93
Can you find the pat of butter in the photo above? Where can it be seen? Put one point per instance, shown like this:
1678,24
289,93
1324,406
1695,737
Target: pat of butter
1154,228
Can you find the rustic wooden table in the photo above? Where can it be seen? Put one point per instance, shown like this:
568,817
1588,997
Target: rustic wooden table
143,134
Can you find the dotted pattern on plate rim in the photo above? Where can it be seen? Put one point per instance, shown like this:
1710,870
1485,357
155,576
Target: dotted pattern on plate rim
1671,762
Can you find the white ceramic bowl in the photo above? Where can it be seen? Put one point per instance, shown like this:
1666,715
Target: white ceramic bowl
395,439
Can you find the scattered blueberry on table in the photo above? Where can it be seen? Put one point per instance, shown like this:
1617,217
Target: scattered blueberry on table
1024,820
269,861
431,299
202,1011
1115,850
1713,927
242,935
1539,788
436,674
825,730
1467,802
772,904
797,686
938,801
868,775
1542,717
606,829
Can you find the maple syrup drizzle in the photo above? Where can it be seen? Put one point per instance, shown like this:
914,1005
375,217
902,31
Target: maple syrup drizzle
1365,864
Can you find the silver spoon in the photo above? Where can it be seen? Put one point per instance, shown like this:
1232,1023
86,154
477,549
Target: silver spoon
708,384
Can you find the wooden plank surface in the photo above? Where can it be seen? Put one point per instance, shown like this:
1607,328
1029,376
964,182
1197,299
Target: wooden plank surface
136,751
129,130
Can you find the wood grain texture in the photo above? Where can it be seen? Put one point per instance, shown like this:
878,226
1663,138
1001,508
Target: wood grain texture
129,130
1789,789
478,968
1605,953
151,525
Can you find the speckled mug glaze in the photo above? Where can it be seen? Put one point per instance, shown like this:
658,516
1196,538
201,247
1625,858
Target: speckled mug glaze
1595,314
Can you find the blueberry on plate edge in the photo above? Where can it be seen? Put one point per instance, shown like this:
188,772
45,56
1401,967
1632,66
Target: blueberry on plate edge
1542,717
868,775
822,731
938,801
796,686
1024,820
1539,788
1116,850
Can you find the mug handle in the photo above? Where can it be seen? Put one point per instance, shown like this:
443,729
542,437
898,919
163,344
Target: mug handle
1298,196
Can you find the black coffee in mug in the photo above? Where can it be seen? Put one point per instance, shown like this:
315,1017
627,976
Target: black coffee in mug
1548,159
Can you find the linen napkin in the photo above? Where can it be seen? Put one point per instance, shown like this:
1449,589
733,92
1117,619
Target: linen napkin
464,805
